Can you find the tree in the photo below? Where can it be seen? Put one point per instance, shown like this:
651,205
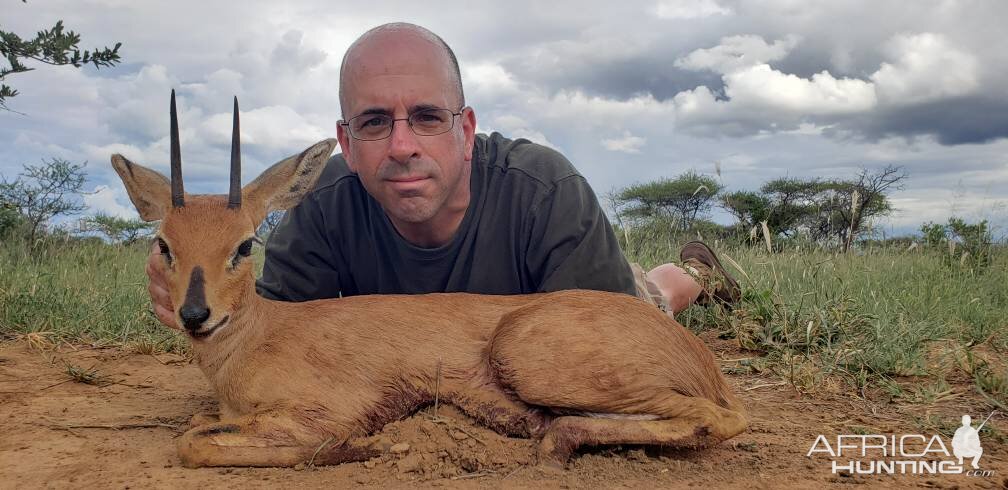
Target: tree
869,198
934,234
43,192
52,47
10,219
831,211
975,240
845,206
118,230
681,200
791,204
748,207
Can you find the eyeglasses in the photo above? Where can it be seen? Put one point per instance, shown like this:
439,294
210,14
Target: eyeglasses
426,122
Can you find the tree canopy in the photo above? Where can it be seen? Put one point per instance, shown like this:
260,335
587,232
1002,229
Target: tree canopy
681,200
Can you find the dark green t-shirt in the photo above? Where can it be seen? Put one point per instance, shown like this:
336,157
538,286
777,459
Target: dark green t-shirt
533,225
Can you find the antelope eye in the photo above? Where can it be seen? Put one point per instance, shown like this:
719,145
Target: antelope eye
165,250
245,249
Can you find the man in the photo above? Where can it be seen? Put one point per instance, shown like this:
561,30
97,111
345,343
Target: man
419,203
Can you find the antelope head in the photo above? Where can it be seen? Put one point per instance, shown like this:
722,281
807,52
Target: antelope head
206,240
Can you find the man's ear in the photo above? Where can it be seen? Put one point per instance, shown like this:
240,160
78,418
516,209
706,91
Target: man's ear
149,190
284,184
344,140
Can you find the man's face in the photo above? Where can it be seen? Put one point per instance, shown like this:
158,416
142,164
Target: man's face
416,179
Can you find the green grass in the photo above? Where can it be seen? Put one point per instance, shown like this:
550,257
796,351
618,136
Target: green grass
861,320
80,291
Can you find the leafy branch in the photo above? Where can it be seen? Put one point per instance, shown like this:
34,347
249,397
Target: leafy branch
55,46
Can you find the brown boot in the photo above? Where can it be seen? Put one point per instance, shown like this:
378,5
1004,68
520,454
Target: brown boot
717,284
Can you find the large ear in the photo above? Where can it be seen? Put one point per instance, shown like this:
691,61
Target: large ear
284,184
149,190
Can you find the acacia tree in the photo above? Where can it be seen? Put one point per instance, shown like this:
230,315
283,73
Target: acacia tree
869,198
748,207
681,200
844,207
119,230
42,192
52,47
791,203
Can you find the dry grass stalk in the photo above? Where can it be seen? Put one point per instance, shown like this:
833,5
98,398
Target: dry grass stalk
766,236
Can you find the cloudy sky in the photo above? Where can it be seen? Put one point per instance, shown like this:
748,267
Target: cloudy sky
628,90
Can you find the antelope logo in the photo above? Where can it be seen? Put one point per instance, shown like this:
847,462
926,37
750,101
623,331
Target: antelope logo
308,380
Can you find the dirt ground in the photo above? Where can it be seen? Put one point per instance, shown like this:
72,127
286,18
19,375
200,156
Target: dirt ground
119,432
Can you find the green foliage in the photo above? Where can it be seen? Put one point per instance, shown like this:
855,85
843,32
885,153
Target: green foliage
748,207
975,240
680,200
961,244
11,222
118,230
53,47
831,212
791,204
934,234
42,192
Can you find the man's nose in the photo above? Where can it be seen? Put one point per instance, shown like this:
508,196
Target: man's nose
403,145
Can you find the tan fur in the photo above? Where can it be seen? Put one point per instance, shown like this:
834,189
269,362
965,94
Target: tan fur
292,376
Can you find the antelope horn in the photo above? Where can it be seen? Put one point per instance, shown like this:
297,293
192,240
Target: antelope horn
234,195
176,159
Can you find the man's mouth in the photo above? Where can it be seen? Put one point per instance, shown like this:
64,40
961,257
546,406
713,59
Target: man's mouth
202,334
407,184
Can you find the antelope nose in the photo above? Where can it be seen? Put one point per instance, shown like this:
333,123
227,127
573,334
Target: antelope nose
194,316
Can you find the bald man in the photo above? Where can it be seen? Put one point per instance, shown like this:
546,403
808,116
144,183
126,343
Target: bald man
419,203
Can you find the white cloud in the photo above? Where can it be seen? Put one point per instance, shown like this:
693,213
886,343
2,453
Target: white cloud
737,52
758,97
291,53
576,109
106,200
762,86
689,9
925,67
274,127
512,126
628,143
488,79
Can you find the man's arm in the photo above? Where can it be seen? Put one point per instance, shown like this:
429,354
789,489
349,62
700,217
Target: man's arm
572,245
300,263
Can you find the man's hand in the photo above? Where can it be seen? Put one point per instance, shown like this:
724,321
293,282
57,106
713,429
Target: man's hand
158,289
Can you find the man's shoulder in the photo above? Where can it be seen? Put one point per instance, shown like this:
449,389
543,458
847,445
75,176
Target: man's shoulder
335,175
522,158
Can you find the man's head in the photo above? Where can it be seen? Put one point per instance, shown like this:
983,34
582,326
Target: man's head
396,70
966,420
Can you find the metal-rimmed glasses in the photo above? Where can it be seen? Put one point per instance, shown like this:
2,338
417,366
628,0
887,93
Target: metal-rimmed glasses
424,122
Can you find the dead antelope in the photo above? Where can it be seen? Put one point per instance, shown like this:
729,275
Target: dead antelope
570,368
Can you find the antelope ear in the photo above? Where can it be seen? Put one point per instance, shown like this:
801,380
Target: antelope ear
149,190
284,184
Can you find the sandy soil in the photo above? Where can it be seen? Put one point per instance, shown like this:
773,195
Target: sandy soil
119,433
